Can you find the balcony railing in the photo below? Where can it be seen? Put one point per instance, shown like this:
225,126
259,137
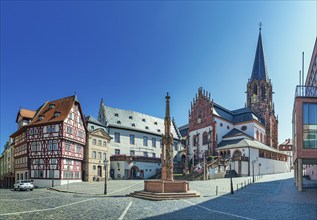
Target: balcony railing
306,91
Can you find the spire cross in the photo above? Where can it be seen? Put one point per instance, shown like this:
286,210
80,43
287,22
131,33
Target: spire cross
260,25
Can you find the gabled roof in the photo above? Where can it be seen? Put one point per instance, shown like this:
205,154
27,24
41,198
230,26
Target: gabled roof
104,133
259,71
63,106
25,113
91,119
235,133
245,142
132,120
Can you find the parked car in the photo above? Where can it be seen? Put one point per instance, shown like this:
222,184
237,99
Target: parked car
23,185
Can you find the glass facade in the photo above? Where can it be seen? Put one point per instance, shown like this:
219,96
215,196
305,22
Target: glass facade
310,125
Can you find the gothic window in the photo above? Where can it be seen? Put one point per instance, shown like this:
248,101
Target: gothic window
255,89
205,138
263,92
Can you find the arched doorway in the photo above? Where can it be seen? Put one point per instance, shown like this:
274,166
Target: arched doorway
134,172
237,157
99,171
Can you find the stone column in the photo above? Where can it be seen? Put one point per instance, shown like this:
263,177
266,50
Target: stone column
300,175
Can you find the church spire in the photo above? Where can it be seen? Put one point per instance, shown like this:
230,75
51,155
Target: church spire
259,71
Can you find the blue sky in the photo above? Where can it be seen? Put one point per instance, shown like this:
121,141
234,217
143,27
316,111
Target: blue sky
131,53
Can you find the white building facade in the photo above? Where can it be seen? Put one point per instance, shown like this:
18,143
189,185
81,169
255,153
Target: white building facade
135,148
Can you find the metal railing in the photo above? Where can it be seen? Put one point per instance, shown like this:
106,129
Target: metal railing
306,91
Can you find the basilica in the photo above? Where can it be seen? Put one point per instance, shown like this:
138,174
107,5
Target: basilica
247,136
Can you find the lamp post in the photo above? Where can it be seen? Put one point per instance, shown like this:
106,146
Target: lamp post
260,169
253,162
231,184
53,176
106,175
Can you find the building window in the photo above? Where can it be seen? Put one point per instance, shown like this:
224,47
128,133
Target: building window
54,144
99,142
310,125
205,138
56,114
116,115
117,137
92,127
130,117
34,146
38,146
69,130
80,133
67,146
104,156
94,167
41,174
78,148
50,145
143,120
105,144
147,127
99,155
153,142
153,155
132,139
70,116
132,152
243,128
133,125
94,141
119,122
145,154
94,155
155,123
117,151
158,130
144,141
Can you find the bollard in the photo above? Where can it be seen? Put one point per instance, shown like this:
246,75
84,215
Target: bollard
216,190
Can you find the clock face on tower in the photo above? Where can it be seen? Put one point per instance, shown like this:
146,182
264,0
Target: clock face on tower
254,98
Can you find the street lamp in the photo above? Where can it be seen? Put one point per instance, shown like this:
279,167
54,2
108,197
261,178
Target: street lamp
231,184
106,175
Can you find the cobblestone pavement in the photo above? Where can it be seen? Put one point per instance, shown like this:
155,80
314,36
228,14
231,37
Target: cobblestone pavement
271,197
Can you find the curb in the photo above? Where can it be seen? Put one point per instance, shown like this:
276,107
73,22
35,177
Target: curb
79,193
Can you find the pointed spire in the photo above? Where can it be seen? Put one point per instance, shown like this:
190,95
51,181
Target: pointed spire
259,71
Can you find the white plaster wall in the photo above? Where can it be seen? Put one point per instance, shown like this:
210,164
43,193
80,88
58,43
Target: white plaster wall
138,146
149,169
222,131
201,147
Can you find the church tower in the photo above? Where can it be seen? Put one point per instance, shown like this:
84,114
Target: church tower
259,95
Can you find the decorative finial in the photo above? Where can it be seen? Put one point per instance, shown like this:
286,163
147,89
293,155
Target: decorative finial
260,25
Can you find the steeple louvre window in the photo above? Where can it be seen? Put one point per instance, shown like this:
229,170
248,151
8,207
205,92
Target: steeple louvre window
263,92
255,89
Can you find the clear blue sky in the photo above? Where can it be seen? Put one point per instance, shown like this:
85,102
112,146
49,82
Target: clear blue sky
132,53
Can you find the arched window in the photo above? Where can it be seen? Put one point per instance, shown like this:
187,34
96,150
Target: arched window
261,137
205,138
255,89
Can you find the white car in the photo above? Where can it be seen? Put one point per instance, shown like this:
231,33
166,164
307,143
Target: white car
23,185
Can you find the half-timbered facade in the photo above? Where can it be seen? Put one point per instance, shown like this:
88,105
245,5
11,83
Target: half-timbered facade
50,148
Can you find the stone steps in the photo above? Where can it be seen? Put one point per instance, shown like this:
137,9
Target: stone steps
163,196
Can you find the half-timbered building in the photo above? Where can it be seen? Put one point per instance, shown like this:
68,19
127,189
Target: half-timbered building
49,147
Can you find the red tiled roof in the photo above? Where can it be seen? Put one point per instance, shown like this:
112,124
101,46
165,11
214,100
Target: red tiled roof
47,113
25,113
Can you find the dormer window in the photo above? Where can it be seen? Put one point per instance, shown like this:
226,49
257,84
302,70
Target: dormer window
41,117
147,127
116,115
158,130
155,123
133,125
56,114
51,106
130,117
119,122
143,119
